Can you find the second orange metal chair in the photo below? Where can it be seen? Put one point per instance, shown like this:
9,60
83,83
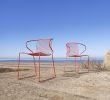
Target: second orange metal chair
76,50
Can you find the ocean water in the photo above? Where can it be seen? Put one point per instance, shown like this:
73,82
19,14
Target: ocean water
49,60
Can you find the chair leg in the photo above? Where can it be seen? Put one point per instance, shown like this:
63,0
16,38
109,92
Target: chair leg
18,66
79,64
39,69
65,65
75,64
35,66
88,62
88,65
53,66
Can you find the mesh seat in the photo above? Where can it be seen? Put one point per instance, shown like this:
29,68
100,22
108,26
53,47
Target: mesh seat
76,50
38,54
42,47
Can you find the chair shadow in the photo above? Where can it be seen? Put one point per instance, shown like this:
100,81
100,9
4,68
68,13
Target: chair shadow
70,71
27,77
75,74
47,79
35,76
71,75
84,72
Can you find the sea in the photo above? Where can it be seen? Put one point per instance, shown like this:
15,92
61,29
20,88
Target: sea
99,60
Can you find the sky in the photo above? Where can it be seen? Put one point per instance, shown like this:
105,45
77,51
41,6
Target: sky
85,21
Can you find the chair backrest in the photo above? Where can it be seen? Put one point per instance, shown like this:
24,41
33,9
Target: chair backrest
75,49
42,45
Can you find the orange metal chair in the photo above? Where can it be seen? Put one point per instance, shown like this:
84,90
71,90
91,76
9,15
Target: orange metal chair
76,50
43,48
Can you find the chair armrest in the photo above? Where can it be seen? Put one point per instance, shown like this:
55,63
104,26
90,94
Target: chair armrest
27,44
50,44
84,48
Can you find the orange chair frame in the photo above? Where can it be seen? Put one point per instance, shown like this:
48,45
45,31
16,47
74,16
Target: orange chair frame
33,54
77,55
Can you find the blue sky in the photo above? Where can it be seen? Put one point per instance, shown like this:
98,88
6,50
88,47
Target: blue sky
86,21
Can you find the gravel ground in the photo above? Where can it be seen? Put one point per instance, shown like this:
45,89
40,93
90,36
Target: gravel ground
66,86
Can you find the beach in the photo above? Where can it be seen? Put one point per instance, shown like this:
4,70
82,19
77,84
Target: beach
68,85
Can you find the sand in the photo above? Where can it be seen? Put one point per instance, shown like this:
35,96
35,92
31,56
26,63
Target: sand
94,85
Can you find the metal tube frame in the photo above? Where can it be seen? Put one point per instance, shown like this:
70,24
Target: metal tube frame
19,65
35,61
76,56
75,63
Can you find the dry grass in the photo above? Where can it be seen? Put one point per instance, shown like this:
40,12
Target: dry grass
94,65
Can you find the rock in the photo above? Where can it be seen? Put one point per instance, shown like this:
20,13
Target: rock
107,60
